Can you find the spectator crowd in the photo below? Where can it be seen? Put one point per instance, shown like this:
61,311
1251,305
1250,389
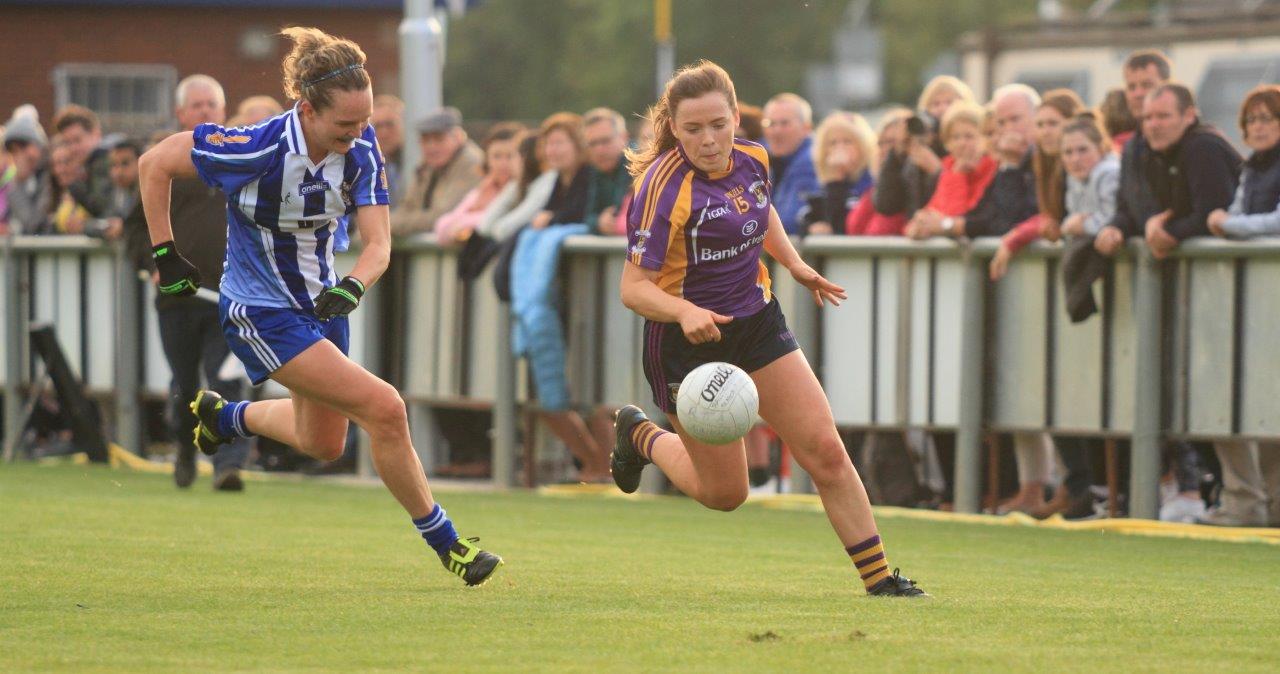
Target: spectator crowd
1024,166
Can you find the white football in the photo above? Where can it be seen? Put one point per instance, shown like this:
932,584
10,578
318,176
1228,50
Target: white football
717,403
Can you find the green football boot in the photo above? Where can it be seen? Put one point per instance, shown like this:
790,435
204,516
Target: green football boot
206,407
468,562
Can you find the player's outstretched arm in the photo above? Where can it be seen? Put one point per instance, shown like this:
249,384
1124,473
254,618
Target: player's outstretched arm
641,294
778,245
169,159
374,223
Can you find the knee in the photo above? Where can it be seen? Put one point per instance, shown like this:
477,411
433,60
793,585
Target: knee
827,458
725,501
324,448
385,411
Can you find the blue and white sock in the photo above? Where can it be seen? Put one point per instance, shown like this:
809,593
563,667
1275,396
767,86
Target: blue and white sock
231,420
437,530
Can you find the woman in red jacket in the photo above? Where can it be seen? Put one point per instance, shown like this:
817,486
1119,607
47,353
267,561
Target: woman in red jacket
966,173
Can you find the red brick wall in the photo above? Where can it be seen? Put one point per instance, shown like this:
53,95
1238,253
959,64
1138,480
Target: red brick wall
34,40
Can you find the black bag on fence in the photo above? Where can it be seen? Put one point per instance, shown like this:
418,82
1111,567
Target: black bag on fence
475,255
502,272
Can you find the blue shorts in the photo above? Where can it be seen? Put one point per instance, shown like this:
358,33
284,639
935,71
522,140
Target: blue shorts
265,338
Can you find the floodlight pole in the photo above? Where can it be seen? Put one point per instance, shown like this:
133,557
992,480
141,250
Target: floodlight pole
666,43
421,75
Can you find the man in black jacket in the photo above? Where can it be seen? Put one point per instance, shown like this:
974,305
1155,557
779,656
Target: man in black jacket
190,330
1192,168
1143,71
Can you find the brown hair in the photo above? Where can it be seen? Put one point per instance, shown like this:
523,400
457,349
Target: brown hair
1116,117
691,81
75,115
751,121
1265,95
1050,177
502,131
568,122
320,64
1087,123
1143,58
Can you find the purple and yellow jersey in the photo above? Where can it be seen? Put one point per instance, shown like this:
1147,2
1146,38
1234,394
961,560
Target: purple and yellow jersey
703,232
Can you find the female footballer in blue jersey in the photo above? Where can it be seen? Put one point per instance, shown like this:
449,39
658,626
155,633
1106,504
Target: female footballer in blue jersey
700,217
291,183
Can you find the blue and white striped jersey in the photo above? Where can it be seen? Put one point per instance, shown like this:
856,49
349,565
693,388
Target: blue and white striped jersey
285,216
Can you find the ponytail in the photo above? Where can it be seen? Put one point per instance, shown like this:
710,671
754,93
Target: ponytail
320,64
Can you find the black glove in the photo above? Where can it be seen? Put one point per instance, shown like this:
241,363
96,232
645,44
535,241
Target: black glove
178,278
339,300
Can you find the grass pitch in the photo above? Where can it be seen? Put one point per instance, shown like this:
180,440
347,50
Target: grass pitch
106,570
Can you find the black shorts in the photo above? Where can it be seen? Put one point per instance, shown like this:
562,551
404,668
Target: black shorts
750,342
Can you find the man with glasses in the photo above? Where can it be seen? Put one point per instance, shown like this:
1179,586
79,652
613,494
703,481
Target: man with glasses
788,128
388,112
607,176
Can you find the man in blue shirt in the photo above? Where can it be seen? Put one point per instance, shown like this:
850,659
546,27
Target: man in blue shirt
788,129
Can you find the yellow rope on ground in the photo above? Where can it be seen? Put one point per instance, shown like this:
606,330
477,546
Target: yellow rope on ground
811,503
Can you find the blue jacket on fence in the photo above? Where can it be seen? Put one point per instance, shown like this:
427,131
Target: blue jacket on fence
535,325
799,179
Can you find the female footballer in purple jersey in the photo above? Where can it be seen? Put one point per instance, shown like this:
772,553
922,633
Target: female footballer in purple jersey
292,182
700,217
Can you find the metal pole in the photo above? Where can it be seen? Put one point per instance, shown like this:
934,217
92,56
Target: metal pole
972,343
128,353
421,75
1144,475
504,405
666,43
15,339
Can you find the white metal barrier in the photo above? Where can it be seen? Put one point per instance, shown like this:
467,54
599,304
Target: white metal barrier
924,341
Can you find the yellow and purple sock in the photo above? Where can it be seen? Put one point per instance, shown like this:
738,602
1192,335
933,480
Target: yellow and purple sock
231,420
868,557
644,436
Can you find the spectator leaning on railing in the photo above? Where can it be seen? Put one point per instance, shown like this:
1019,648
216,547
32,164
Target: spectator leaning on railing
864,219
1143,71
501,166
966,173
912,163
1255,210
450,168
605,132
66,216
788,123
1192,169
1251,473
516,205
1011,196
1055,110
31,187
536,321
126,214
78,129
844,154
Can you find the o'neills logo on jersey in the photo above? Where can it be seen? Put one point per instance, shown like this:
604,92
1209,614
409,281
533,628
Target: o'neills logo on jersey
713,387
218,138
705,255
311,188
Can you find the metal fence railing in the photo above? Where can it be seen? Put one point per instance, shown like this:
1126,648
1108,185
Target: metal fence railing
1179,349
